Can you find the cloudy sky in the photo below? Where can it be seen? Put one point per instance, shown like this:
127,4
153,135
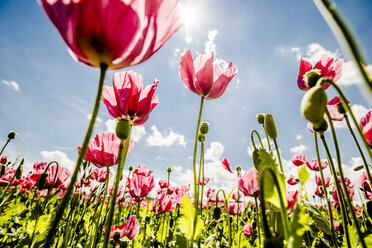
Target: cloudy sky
47,97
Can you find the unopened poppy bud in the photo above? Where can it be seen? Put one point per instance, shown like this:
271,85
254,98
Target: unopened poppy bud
124,244
122,128
238,168
320,127
314,104
169,169
341,109
116,236
3,170
130,168
19,171
12,135
204,128
201,137
260,118
256,159
42,181
369,208
147,218
270,126
3,160
216,213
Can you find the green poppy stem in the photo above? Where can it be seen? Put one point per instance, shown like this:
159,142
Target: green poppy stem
259,138
258,222
344,36
334,239
123,152
348,198
278,154
6,143
228,214
58,215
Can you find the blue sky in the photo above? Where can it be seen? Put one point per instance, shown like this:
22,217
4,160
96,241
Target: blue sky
46,97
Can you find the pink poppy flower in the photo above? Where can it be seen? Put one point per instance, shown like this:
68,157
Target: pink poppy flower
129,230
333,110
100,174
226,165
318,180
291,199
350,189
292,180
141,182
237,195
206,181
247,230
325,67
205,78
233,208
103,149
248,183
163,184
314,166
319,191
127,99
366,125
62,175
363,179
117,33
40,166
299,160
164,203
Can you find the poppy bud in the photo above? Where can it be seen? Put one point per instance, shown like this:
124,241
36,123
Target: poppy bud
320,127
204,128
169,169
312,77
3,170
256,159
369,208
130,168
124,244
42,181
216,213
341,109
260,118
116,236
201,137
314,104
238,168
3,160
19,171
122,128
12,135
147,218
270,126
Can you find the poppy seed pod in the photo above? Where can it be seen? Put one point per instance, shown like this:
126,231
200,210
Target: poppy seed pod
19,171
130,168
122,128
12,135
314,104
260,118
270,126
320,127
204,128
169,169
341,109
216,213
201,137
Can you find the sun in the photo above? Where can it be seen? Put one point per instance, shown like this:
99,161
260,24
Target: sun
189,15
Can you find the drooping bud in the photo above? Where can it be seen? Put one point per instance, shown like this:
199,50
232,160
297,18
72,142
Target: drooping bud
12,135
256,159
320,127
201,137
260,118
204,128
122,128
217,213
270,126
169,169
19,171
42,181
314,104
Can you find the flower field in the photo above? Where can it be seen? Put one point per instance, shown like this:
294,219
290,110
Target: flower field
105,202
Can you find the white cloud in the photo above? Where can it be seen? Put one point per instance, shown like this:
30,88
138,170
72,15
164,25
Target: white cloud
98,120
298,149
359,111
298,137
158,139
11,84
215,152
356,161
110,125
60,157
210,46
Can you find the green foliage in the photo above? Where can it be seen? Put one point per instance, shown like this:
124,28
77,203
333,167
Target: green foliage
303,175
187,219
318,217
354,238
299,224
